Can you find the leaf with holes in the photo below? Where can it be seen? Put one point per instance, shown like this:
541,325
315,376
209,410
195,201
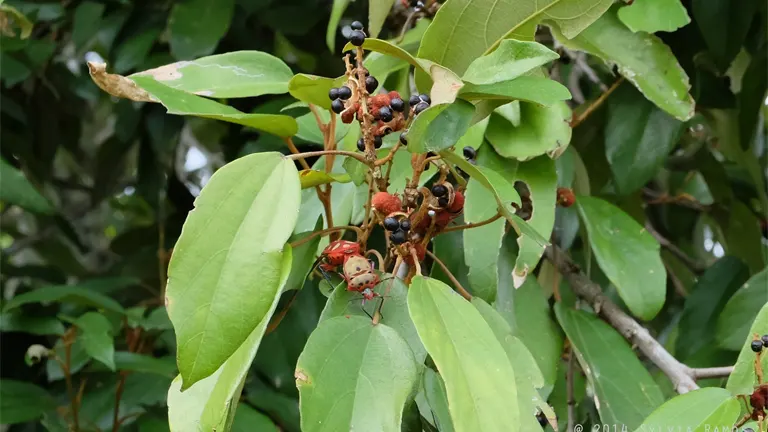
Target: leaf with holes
651,16
539,130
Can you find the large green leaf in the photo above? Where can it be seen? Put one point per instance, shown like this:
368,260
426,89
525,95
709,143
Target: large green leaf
65,294
696,328
539,130
22,401
313,89
478,376
723,25
17,321
248,419
743,379
232,75
651,16
339,6
690,411
742,308
638,138
378,11
540,176
642,58
196,26
97,337
539,90
16,189
182,103
354,375
226,266
439,127
210,403
626,393
510,60
627,254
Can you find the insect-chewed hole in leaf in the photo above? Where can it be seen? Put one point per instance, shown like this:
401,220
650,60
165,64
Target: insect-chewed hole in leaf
525,211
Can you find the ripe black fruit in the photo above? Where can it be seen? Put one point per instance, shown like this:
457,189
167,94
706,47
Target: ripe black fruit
391,224
757,346
361,144
377,142
439,190
470,153
425,98
371,84
344,92
421,106
357,37
442,202
414,99
356,25
333,94
403,139
405,225
397,237
385,114
337,106
765,340
397,104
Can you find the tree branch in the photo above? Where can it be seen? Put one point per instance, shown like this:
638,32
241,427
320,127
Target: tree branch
713,372
596,104
695,266
357,156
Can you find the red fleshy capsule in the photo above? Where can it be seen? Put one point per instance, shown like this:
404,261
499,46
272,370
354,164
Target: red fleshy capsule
386,203
565,197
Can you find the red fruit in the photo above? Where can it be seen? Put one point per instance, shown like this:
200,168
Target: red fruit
565,197
386,203
421,252
458,202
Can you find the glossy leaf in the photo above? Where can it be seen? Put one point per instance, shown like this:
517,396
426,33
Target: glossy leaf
477,373
196,26
97,337
439,127
312,178
627,254
22,401
248,419
541,130
651,16
378,10
354,375
16,321
691,411
64,294
723,25
643,59
313,89
339,6
743,379
626,393
235,236
735,319
510,60
16,189
697,324
541,178
543,91
434,391
236,74
638,138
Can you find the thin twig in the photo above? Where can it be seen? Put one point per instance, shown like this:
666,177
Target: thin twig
294,150
676,282
416,261
464,293
596,104
713,372
378,256
298,243
473,225
300,156
118,396
570,400
692,264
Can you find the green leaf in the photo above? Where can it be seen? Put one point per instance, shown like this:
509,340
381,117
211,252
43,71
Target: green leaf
97,337
130,361
724,25
691,411
698,320
743,379
510,60
742,308
468,356
543,91
627,254
313,89
353,375
378,10
642,58
236,74
390,49
652,16
625,391
439,127
64,294
196,26
87,20
753,87
541,178
227,265
638,138
16,189
16,321
210,403
183,103
311,178
540,130
434,391
22,401
248,419
339,6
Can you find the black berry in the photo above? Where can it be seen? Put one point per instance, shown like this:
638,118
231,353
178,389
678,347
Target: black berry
397,237
425,98
397,104
344,92
371,84
403,140
337,106
470,153
765,340
356,25
414,100
361,144
357,37
391,224
442,201
405,225
421,106
333,94
439,190
542,419
385,114
377,142
757,346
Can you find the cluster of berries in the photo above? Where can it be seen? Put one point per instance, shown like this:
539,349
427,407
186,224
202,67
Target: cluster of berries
419,103
399,229
758,345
